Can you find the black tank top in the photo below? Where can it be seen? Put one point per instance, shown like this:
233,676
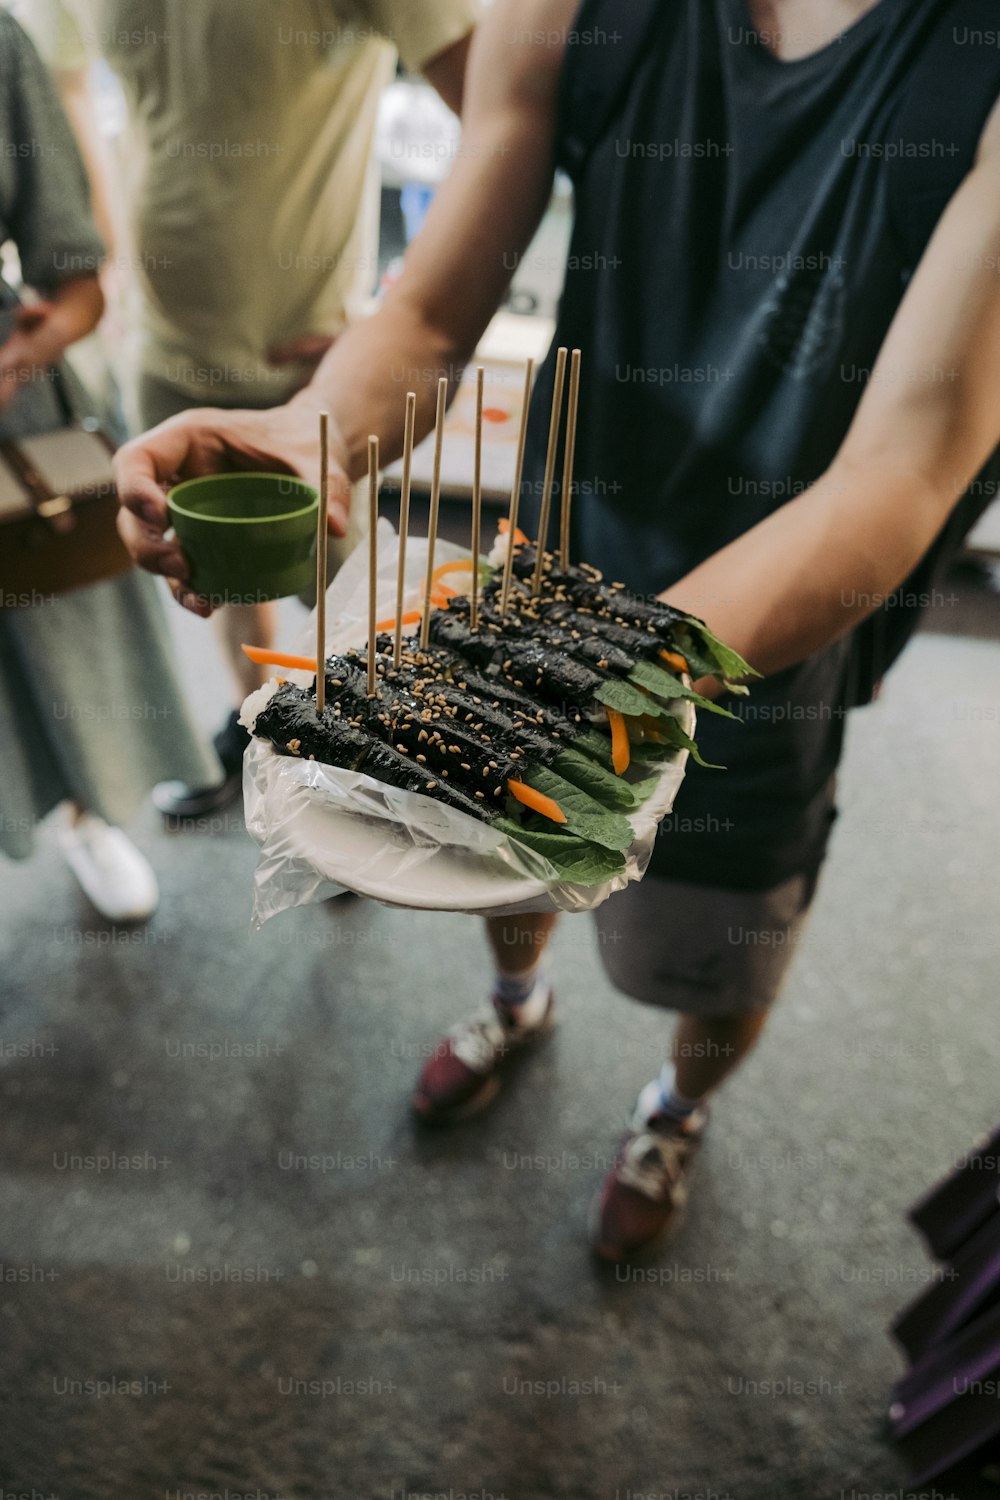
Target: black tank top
745,229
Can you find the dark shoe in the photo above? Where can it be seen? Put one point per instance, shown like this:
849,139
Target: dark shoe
464,1072
645,1192
178,802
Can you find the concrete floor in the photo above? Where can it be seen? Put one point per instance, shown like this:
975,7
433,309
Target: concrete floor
291,1292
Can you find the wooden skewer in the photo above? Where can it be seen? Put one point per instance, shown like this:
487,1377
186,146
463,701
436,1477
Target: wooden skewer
515,494
372,562
404,520
432,524
321,529
477,500
550,468
567,484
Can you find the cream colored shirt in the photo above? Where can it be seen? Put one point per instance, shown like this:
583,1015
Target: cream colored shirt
251,185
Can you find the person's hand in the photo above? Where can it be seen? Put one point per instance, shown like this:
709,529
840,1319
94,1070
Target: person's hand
307,350
283,440
37,342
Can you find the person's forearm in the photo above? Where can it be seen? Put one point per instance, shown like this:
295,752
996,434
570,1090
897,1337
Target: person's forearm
77,308
815,568
366,375
106,195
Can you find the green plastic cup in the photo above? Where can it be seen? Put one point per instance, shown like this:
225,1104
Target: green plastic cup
247,537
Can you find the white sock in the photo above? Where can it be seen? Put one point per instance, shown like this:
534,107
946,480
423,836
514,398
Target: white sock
672,1102
524,997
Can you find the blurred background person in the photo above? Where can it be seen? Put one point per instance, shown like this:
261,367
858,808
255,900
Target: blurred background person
252,209
91,714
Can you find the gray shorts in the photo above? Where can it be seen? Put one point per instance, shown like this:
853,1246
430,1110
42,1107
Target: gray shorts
702,949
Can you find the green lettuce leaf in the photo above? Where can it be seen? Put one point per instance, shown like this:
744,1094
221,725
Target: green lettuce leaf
689,646
584,815
595,745
680,739
729,665
603,785
574,859
645,789
626,699
650,753
666,685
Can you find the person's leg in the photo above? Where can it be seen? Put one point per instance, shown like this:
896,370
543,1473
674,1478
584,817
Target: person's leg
706,1049
464,1072
256,624
518,945
718,956
518,942
521,995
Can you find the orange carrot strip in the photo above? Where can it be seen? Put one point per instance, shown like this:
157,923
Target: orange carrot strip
440,593
676,660
620,754
503,526
279,659
458,565
537,801
410,618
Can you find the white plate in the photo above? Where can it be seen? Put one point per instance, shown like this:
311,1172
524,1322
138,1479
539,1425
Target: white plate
362,855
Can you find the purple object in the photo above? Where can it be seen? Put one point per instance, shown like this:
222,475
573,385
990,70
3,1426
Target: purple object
946,1408
957,1207
969,1286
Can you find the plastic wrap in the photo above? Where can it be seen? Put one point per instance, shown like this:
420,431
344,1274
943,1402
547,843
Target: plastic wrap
322,830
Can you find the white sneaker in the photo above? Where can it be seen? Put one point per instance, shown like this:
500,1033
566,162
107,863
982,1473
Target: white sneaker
113,875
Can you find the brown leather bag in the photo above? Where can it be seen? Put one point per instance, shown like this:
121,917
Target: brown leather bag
58,507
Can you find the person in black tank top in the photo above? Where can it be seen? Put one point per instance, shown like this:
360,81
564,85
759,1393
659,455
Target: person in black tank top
783,279
750,210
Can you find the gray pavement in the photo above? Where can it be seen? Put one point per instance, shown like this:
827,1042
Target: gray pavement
287,1290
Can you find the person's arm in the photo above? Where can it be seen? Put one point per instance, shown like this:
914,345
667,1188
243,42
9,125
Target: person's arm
446,72
49,221
106,197
455,274
928,421
431,37
44,330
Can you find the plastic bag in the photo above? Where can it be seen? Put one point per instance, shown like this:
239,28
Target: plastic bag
322,830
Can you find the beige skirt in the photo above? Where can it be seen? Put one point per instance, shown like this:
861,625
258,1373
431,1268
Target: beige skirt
91,708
